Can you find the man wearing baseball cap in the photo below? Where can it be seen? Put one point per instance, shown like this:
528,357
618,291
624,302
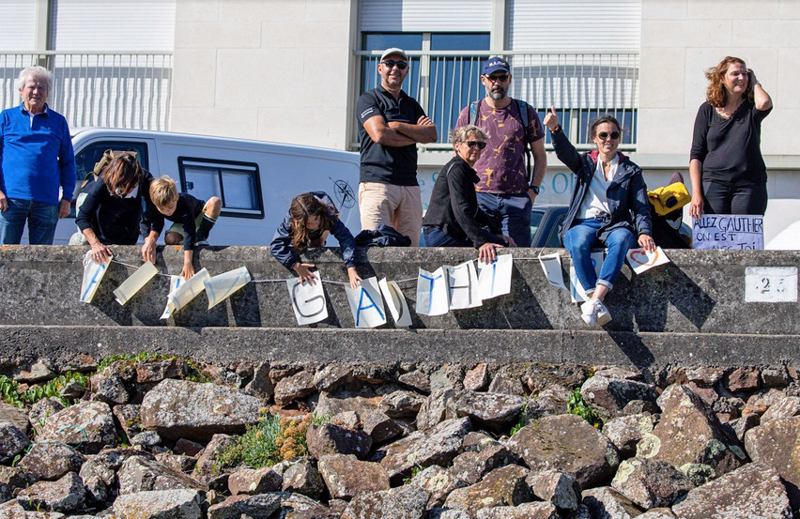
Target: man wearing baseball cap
506,190
392,123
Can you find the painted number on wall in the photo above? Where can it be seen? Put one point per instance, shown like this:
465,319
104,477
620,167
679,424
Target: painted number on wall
770,284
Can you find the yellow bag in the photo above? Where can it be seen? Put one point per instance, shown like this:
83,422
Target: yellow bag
669,198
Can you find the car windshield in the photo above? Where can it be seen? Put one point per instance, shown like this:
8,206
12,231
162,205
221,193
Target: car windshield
536,221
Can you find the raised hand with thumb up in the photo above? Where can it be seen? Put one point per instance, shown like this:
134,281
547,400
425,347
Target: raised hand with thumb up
551,119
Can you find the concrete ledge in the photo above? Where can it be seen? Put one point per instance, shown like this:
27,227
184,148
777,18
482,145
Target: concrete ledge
691,311
23,344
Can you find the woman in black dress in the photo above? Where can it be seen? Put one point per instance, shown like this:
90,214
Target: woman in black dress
727,171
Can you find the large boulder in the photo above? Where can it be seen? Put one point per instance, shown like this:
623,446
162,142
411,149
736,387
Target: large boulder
401,404
439,482
437,446
295,387
110,388
612,395
776,444
258,481
333,439
561,490
346,477
12,442
495,411
786,408
181,409
405,502
607,503
690,433
140,474
569,444
15,416
472,466
625,432
523,511
86,426
434,410
303,478
260,506
65,495
51,461
505,486
160,504
754,490
11,479
381,427
651,483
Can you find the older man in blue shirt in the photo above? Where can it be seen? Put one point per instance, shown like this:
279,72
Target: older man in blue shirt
36,159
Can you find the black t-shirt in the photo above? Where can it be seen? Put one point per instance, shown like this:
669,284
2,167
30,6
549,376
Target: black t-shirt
387,164
186,211
730,149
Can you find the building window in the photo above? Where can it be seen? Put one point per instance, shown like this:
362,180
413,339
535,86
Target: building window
235,183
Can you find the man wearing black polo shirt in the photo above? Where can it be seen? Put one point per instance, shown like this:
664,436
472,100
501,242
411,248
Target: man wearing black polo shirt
392,123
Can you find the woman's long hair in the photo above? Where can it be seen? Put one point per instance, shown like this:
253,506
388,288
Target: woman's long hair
301,208
716,95
122,173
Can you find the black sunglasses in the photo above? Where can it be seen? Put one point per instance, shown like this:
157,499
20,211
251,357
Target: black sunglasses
604,135
472,144
502,78
392,63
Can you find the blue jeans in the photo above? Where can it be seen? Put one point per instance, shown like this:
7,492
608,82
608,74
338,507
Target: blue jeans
435,237
580,240
512,213
41,217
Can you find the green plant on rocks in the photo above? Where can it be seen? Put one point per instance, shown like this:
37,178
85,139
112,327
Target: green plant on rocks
10,393
576,406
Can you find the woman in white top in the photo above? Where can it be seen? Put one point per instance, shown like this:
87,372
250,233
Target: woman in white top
609,207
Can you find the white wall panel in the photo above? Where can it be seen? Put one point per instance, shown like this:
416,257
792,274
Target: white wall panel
111,25
426,15
17,25
574,25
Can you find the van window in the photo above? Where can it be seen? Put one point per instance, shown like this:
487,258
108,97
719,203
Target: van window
235,183
91,154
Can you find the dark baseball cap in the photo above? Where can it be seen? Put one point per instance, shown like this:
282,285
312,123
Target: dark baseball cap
494,64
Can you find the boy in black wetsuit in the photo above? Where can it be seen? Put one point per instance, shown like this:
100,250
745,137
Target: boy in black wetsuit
193,219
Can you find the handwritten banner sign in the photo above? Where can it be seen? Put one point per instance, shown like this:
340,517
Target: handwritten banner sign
93,273
432,294
462,285
308,301
396,302
135,282
640,260
174,283
366,303
221,287
551,265
729,232
495,278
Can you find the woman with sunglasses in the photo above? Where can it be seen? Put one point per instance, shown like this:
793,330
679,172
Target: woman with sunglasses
609,207
727,170
453,218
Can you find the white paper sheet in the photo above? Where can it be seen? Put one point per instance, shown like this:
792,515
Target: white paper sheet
462,286
551,265
366,303
396,302
174,283
135,282
92,276
221,287
641,260
187,291
432,293
495,278
308,301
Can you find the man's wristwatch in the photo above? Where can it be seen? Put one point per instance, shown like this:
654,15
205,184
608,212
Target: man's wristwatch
536,189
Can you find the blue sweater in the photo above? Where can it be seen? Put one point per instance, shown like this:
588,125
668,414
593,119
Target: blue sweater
36,156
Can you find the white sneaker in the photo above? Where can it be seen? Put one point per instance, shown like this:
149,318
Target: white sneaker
595,312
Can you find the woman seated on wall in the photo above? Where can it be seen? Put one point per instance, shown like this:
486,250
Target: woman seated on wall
453,218
609,204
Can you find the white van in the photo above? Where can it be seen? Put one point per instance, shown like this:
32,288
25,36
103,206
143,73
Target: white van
255,180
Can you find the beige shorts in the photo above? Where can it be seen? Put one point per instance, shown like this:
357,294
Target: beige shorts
177,227
397,206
